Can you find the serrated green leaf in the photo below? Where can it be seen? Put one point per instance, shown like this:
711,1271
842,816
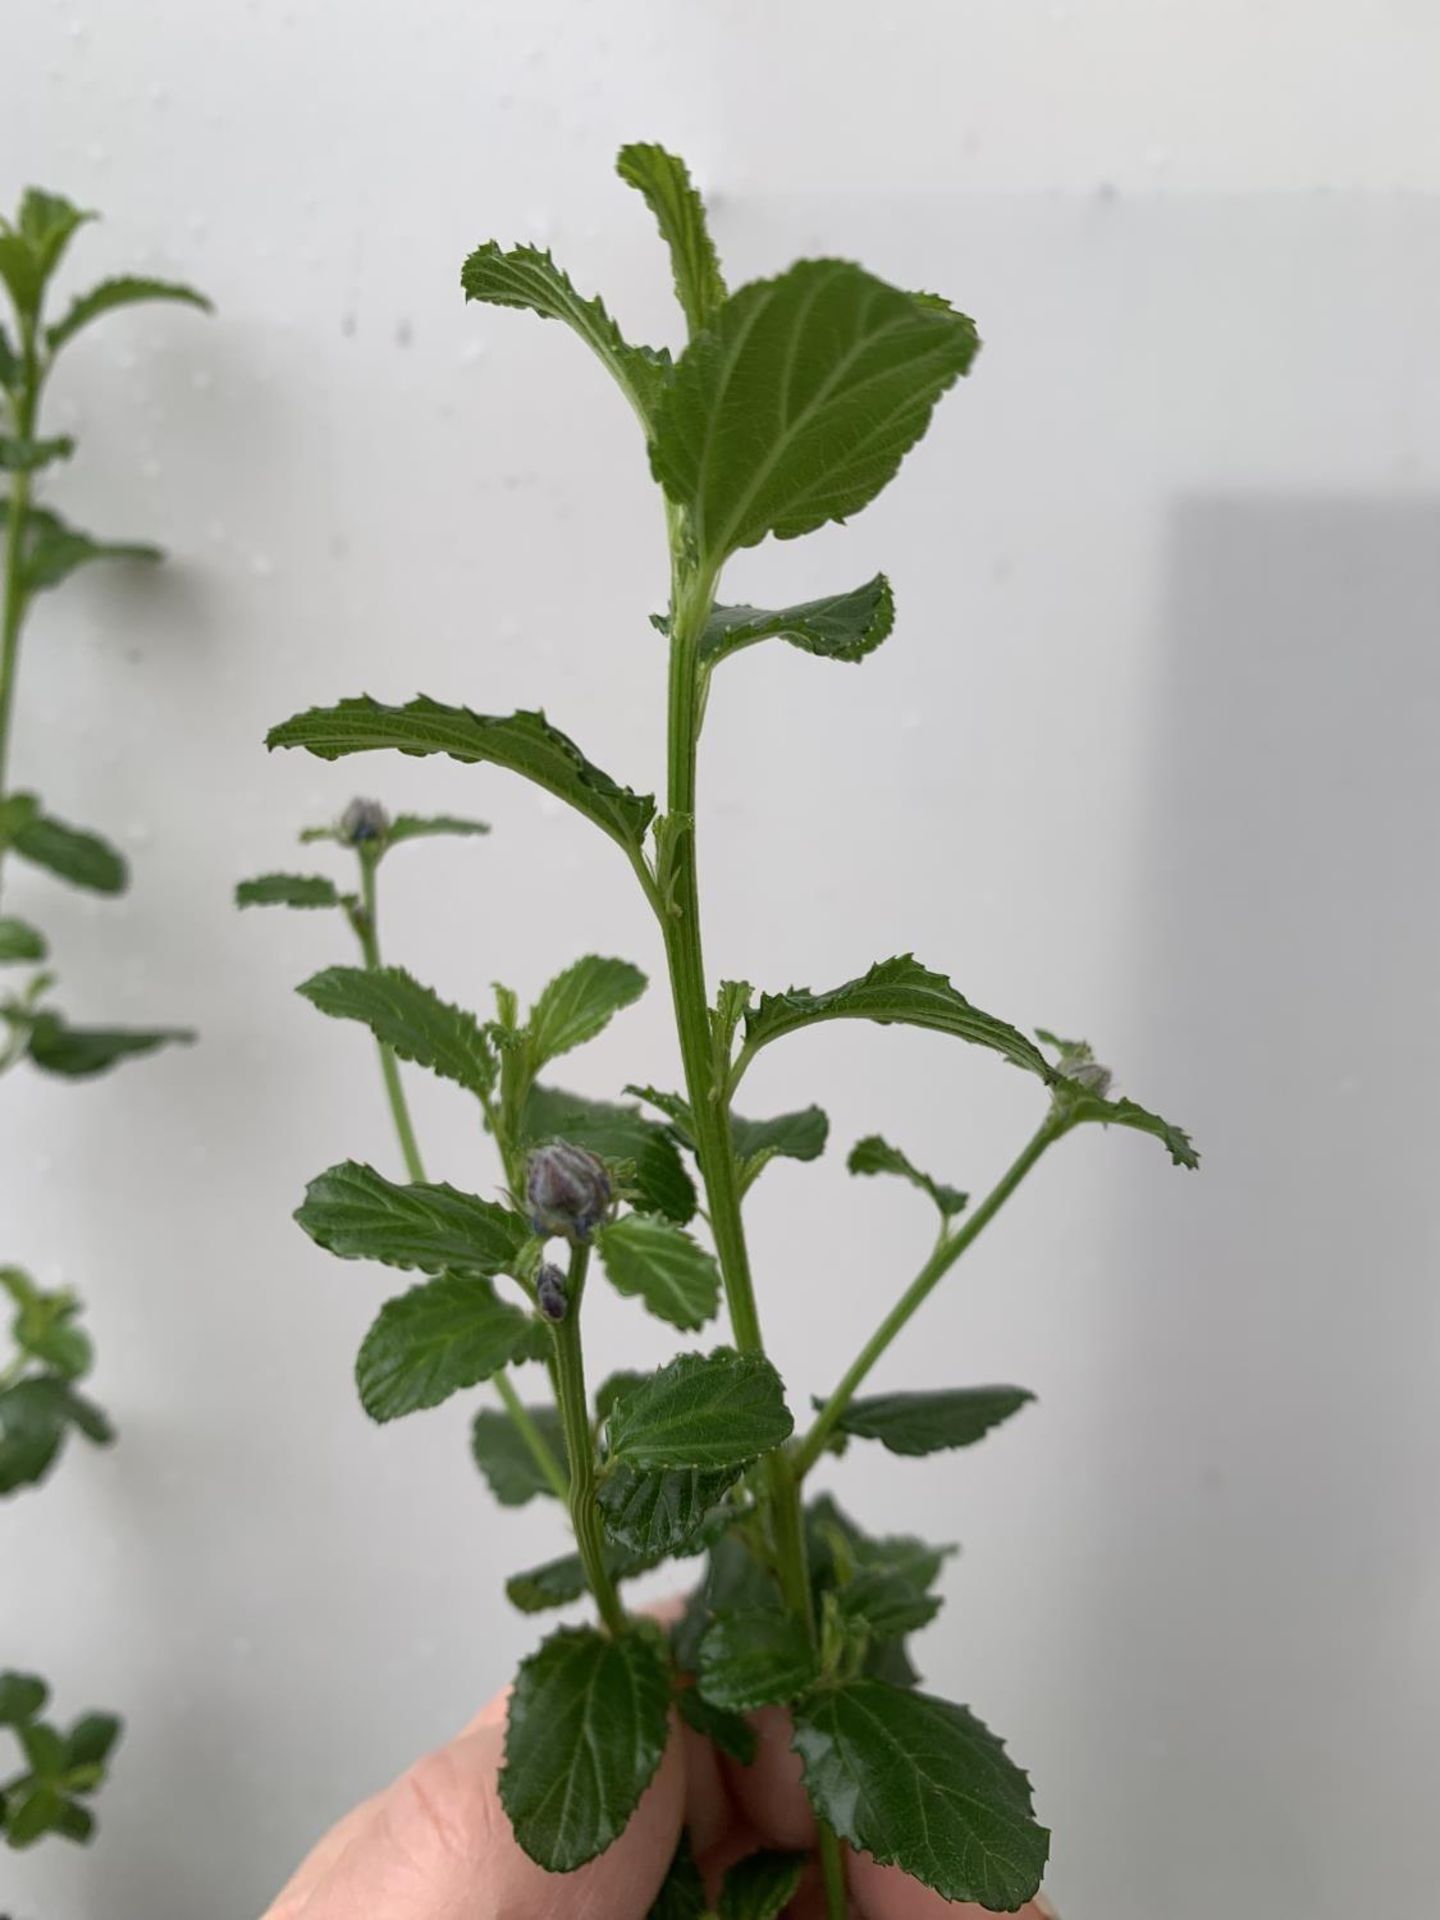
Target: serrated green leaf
756,1657
587,1726
839,626
922,1785
527,277
353,1211
71,853
920,1423
761,1887
647,1255
77,1053
29,456
434,1341
127,290
31,248
682,1895
619,1134
611,1388
874,1155
679,212
288,890
414,826
19,941
899,991
22,1697
410,1019
721,1409
732,1733
654,1513
578,1004
1082,1094
799,403
501,1454
525,743
792,1136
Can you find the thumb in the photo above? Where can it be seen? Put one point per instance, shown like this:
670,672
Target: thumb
437,1846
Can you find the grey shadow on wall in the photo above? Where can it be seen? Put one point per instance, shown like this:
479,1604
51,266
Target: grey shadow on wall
1271,1559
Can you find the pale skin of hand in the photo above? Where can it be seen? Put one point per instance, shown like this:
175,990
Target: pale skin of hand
437,1846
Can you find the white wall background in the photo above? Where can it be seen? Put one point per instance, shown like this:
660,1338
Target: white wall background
1151,756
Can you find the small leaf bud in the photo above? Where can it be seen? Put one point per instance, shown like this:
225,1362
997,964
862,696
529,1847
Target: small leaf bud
550,1294
1088,1074
364,822
567,1189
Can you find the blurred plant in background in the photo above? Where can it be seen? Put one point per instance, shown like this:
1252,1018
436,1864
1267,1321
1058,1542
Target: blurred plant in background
40,1404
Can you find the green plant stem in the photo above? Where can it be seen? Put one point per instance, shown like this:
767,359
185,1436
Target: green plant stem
949,1250
368,930
569,1372
12,619
707,1087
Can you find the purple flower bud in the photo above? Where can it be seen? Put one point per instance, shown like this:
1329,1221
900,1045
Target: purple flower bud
568,1190
550,1294
363,822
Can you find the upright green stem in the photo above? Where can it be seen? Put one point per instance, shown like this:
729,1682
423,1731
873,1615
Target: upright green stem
580,1447
12,618
707,1087
367,927
921,1287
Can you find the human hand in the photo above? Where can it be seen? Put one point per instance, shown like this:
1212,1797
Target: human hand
437,1845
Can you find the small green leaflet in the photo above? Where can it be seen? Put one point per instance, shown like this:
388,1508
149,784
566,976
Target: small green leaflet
898,990
19,940
410,1019
732,1733
762,1887
587,1727
654,1513
578,1004
287,890
882,1586
677,1278
799,403
874,1155
679,212
526,743
922,1785
414,826
436,1340
36,1414
22,1697
507,1463
619,1134
558,1583
72,854
53,549
77,1053
757,1657
919,1423
721,1409
28,456
527,277
792,1136
126,291
841,626
353,1211
1082,1091
682,1895
45,1326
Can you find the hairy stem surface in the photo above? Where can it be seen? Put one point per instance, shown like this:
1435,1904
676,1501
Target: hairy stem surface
580,1447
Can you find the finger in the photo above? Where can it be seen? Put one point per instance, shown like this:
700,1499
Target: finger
884,1893
708,1812
769,1794
439,1843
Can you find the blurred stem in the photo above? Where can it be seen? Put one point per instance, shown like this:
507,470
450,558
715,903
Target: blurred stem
949,1250
366,926
12,619
707,1080
580,1446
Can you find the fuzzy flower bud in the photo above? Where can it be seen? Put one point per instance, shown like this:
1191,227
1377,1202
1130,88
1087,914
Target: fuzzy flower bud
1088,1074
363,822
567,1189
550,1294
